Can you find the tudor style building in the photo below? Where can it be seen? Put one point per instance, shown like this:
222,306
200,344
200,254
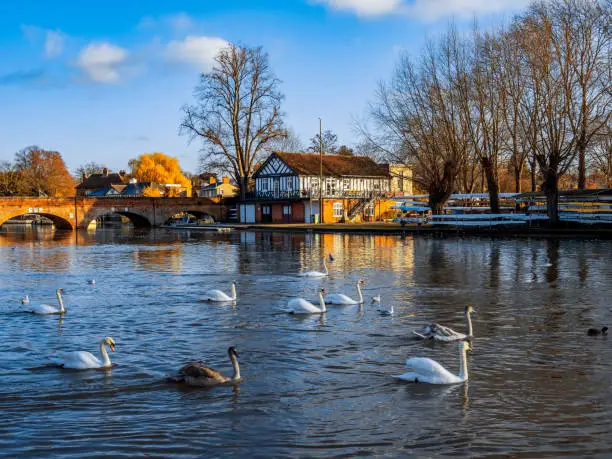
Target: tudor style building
354,188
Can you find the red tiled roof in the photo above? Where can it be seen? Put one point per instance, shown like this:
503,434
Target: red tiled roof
95,181
334,165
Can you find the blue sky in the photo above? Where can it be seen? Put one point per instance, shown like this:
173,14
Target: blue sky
105,81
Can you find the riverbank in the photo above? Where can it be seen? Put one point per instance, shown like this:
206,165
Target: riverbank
568,230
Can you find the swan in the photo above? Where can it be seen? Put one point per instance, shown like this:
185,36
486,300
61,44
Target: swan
301,306
316,273
218,295
376,299
25,300
339,298
426,370
441,333
47,308
196,374
83,360
597,331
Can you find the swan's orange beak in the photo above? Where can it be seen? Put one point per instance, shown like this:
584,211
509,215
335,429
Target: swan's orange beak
112,347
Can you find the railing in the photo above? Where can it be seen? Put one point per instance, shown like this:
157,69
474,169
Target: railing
314,194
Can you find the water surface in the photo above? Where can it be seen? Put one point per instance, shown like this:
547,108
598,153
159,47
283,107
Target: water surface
313,386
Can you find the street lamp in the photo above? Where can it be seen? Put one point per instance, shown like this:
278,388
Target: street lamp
320,171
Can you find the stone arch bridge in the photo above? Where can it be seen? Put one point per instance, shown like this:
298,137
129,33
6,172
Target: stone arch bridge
78,212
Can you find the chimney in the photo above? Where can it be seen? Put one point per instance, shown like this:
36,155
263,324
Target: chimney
225,179
84,176
122,173
212,180
105,171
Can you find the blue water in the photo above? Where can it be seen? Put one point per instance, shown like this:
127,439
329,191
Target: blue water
313,386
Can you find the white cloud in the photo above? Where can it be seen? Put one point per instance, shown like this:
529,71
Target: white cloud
426,10
54,43
431,10
363,7
195,50
101,62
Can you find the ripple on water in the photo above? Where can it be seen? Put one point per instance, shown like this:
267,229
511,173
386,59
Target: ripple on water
313,386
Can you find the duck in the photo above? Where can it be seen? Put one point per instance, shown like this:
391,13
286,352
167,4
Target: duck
219,296
426,370
376,299
386,312
302,306
331,258
91,282
83,360
46,309
339,298
316,273
597,331
197,374
441,333
25,300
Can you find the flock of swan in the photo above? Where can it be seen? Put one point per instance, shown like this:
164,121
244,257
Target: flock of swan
420,369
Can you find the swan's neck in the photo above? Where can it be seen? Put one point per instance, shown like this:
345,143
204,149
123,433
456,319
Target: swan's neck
469,323
322,302
59,300
233,291
325,266
463,371
359,292
236,375
105,359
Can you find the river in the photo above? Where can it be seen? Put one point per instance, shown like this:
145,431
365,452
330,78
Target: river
312,386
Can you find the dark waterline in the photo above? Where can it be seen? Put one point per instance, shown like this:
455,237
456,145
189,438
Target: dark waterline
539,386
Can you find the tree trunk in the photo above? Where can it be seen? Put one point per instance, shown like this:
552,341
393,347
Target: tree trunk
533,177
518,171
492,184
581,164
551,190
441,191
243,185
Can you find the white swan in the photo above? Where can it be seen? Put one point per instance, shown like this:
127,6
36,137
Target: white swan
83,360
196,374
25,300
316,273
339,298
426,370
301,306
218,295
47,308
441,333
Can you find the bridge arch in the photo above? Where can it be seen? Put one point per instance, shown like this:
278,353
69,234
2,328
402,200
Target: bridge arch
58,222
139,221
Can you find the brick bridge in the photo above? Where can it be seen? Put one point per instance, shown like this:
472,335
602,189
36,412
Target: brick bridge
78,212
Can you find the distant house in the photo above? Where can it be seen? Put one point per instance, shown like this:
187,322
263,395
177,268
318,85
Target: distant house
353,188
104,184
214,189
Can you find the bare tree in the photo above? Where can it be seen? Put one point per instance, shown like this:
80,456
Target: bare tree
601,154
290,142
329,144
11,180
88,169
237,111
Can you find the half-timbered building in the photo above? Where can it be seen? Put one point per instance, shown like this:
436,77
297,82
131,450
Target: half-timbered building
290,186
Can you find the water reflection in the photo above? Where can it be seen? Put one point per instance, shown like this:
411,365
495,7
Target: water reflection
312,385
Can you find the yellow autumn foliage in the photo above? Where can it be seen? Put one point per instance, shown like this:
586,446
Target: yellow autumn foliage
162,169
151,192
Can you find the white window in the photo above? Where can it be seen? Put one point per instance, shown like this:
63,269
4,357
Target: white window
264,185
289,183
369,210
338,210
286,210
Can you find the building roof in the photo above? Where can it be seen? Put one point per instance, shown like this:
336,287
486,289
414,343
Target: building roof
135,189
333,165
95,181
